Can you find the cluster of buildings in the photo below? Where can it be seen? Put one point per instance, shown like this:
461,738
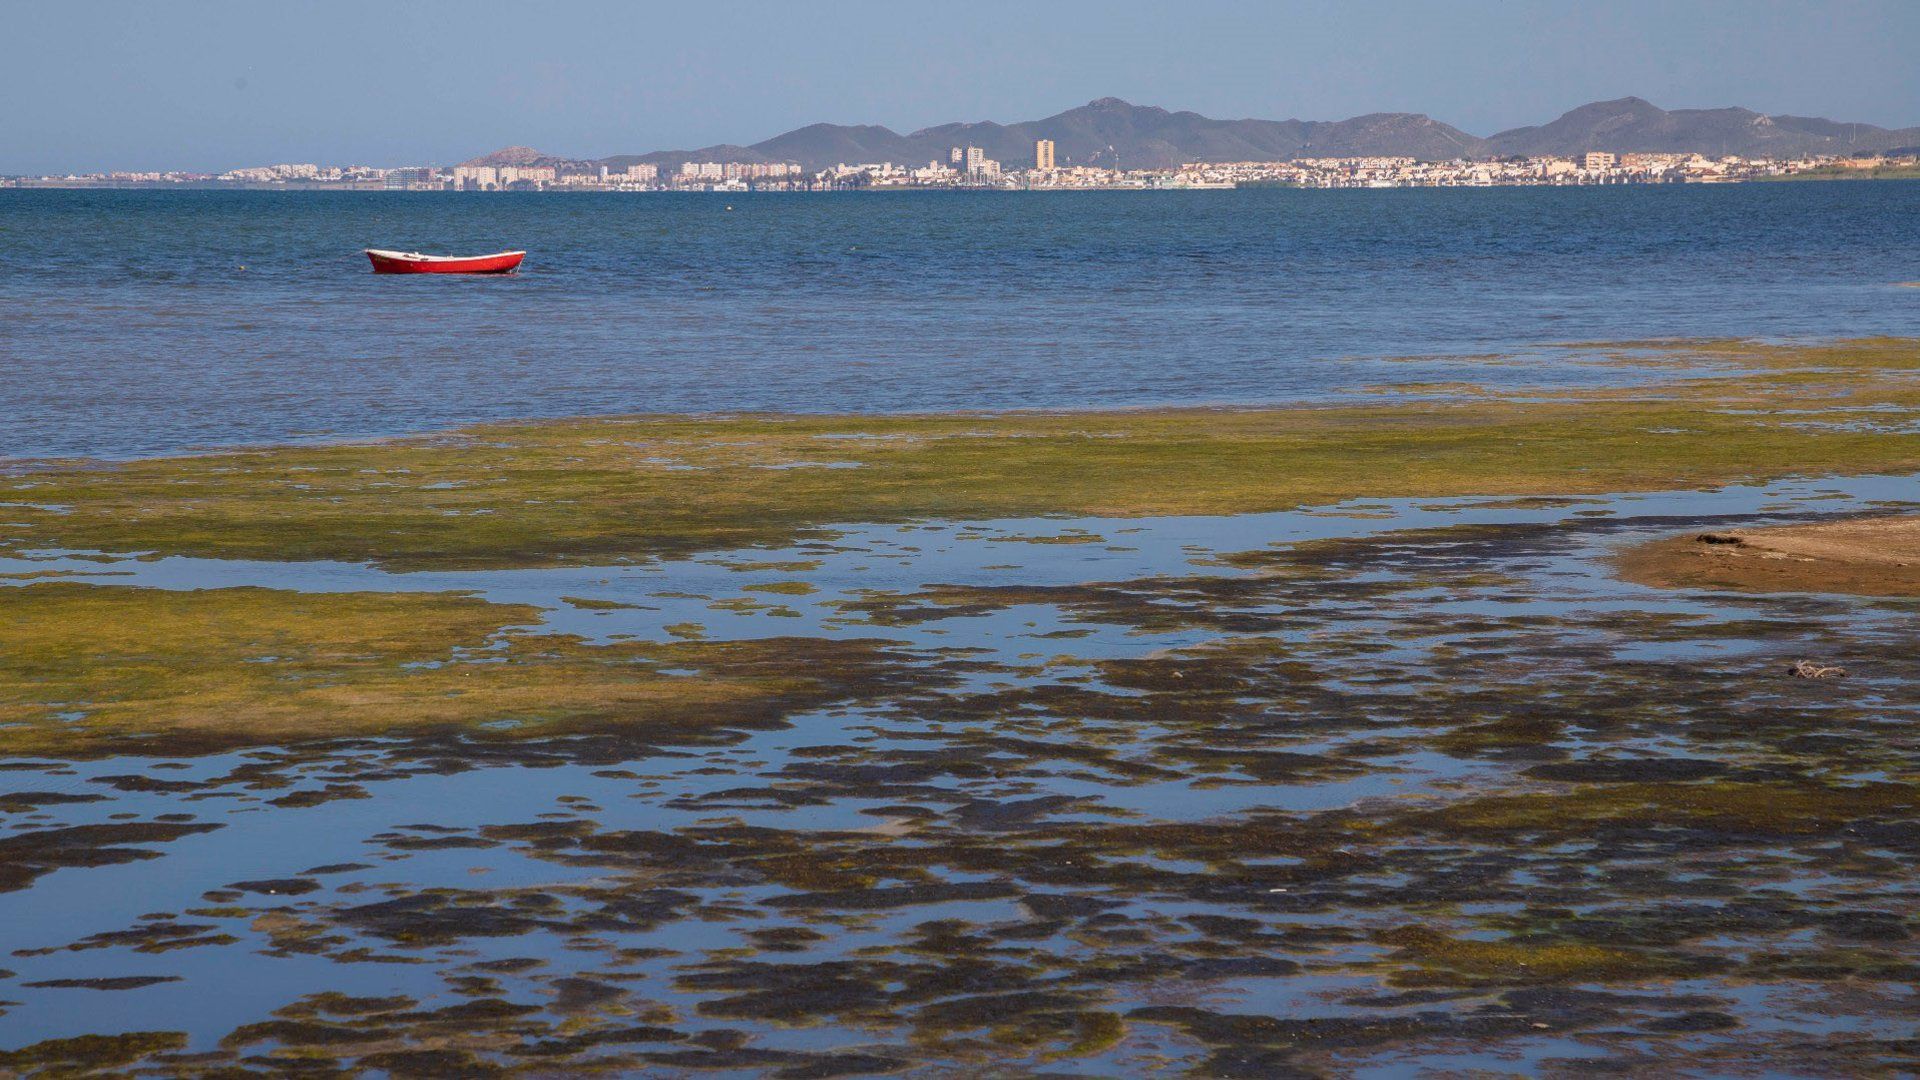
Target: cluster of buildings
969,167
1594,167
723,171
537,177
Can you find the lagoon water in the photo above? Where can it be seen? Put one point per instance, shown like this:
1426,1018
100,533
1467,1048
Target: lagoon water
151,322
1393,787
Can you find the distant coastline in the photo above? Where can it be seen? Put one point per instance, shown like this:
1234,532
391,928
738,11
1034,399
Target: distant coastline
1111,144
1898,170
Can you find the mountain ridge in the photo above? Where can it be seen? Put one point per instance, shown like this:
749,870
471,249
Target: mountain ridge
1113,133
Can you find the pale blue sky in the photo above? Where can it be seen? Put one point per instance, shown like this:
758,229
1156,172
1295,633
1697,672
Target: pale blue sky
214,84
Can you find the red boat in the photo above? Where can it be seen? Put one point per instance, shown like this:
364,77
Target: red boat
412,262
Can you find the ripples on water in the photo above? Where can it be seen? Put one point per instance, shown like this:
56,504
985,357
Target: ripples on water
138,331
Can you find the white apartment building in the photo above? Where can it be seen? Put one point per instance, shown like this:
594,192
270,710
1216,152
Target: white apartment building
476,177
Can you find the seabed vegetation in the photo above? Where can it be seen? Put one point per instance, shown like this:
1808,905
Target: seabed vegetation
593,492
1239,743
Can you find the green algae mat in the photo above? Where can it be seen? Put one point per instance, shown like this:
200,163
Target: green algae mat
605,490
1397,776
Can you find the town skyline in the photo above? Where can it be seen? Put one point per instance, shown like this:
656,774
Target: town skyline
217,85
1154,139
968,168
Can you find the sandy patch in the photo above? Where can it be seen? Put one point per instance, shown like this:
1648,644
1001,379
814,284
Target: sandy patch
1868,556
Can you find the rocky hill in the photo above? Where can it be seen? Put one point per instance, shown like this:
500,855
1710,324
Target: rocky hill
514,155
1632,124
1113,133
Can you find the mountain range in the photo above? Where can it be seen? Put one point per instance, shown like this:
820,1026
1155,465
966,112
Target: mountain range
1115,134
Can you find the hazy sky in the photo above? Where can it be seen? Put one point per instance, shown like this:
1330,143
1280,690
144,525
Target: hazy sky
210,84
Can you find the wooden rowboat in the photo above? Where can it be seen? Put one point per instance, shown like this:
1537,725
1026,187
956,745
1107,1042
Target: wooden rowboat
412,262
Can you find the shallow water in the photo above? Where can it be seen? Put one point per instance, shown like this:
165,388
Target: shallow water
157,321
1080,803
1391,786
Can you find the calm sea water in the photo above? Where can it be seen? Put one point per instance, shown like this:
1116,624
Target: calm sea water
144,322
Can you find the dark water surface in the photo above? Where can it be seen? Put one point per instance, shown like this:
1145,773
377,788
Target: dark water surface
138,331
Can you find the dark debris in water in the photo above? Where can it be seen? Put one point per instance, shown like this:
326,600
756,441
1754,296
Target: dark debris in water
25,856
1358,802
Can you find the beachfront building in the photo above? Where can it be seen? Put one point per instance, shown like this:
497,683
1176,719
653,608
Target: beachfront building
1043,154
476,177
531,175
737,175
738,170
973,163
270,174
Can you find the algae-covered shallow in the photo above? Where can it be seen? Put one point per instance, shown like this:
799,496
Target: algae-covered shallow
607,490
96,669
1408,781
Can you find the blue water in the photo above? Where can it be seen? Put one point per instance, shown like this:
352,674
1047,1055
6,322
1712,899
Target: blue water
145,322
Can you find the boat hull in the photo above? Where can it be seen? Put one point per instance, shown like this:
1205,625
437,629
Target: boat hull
405,262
